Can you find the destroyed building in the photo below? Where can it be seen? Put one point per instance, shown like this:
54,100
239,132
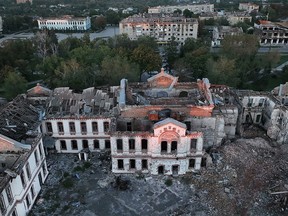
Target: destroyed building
23,165
161,126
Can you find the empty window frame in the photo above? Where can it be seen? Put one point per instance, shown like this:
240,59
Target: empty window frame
2,205
144,144
191,163
119,143
72,128
49,127
164,146
129,126
32,192
96,144
63,145
9,194
132,164
83,127
107,144
193,144
174,145
28,171
36,156
144,164
131,144
94,127
106,126
27,198
85,144
60,127
74,145
261,102
23,179
120,164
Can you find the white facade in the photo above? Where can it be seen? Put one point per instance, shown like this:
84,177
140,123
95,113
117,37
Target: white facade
220,32
163,29
249,7
169,150
73,135
65,23
20,189
195,8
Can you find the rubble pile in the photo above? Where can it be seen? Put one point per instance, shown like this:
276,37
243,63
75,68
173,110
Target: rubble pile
247,176
240,180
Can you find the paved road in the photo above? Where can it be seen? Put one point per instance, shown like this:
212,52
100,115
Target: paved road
108,32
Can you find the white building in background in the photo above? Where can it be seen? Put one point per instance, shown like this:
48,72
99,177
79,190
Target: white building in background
23,163
220,32
249,7
1,25
65,23
162,28
195,8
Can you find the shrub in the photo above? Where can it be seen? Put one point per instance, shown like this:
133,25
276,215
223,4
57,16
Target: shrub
168,182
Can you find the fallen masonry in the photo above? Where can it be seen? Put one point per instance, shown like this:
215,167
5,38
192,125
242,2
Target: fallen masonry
243,179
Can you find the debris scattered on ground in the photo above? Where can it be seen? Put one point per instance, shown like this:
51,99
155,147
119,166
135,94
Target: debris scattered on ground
247,176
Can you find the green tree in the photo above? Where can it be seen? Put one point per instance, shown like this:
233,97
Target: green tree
98,23
223,71
240,46
14,84
113,69
146,58
187,13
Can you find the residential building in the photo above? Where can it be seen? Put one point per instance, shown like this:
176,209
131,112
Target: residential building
65,23
23,1
162,27
195,8
249,7
232,17
272,33
23,163
220,32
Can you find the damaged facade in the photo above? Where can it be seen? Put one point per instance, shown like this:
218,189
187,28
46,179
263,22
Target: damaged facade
23,164
161,126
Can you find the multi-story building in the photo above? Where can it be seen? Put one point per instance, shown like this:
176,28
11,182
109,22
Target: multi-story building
65,23
232,17
23,164
272,33
162,27
195,8
161,126
249,7
220,32
23,1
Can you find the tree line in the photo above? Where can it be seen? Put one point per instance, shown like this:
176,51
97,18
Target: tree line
82,63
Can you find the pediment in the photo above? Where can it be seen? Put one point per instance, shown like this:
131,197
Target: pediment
162,80
169,126
39,90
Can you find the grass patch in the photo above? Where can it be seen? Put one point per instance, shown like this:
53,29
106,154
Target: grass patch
78,169
66,174
68,183
87,164
168,182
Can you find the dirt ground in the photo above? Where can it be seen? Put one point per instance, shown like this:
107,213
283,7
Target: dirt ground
244,179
